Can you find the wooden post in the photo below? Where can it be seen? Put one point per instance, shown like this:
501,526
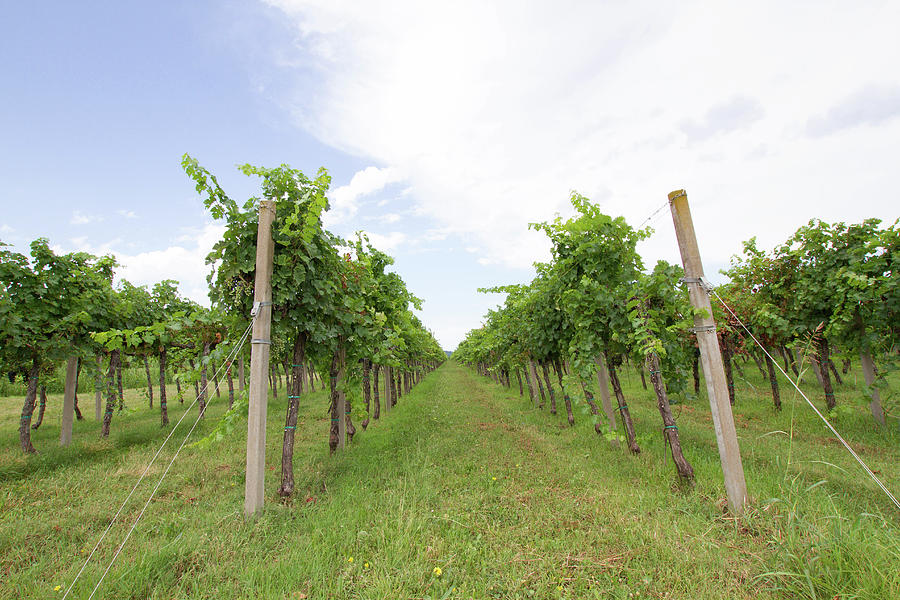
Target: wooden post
241,380
387,389
68,411
603,384
98,386
259,362
868,368
341,400
710,355
537,389
816,369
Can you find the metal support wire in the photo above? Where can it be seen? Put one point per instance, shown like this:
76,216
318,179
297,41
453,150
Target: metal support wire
812,406
654,213
227,363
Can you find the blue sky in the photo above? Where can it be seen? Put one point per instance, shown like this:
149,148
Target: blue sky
445,130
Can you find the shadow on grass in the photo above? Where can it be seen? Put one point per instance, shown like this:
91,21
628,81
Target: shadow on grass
52,458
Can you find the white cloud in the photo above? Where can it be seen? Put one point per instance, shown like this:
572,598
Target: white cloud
496,110
79,218
128,214
389,218
449,330
6,228
387,242
344,200
185,263
436,235
871,105
725,117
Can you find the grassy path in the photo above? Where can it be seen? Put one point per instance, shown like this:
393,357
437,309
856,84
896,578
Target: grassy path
463,478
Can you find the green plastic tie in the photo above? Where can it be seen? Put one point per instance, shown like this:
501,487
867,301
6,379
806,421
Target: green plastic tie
26,417
654,372
290,397
671,427
829,394
335,420
621,407
34,378
296,365
286,427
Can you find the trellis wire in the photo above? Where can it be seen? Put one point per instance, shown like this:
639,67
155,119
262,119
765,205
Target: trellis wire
811,405
227,363
654,214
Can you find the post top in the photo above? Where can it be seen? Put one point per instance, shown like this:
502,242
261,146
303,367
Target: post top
676,194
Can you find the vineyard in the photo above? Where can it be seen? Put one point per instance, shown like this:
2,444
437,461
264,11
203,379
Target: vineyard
566,450
827,294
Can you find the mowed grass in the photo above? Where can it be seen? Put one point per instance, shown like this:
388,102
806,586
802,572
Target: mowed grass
463,478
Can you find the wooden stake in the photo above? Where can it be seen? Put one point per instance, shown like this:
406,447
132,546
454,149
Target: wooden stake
241,379
341,400
868,368
539,395
259,362
710,355
68,412
537,391
817,369
388,374
605,401
98,386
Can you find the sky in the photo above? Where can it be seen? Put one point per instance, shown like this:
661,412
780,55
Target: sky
446,127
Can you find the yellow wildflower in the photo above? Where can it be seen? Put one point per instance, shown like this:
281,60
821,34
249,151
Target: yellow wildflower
57,588
437,571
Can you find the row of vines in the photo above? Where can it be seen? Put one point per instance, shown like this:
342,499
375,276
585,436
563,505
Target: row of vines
829,294
340,316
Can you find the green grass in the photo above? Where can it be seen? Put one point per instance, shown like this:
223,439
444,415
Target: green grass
465,476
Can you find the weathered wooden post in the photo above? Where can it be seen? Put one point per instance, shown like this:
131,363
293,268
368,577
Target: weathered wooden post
603,384
387,389
538,393
68,412
710,355
868,368
341,401
98,387
259,361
